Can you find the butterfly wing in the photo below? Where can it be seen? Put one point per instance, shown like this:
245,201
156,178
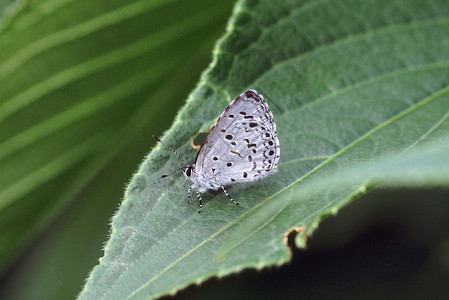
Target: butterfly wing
243,143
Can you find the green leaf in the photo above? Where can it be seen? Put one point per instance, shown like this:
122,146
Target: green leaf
354,87
359,92
82,86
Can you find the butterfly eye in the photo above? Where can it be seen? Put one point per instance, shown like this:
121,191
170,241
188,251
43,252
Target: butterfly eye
189,171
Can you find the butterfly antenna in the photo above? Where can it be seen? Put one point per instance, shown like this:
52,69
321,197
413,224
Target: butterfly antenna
169,148
174,171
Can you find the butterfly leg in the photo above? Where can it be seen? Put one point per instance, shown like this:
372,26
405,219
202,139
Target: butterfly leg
188,193
232,200
199,199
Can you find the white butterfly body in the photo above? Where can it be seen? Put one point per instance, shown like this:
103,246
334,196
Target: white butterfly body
242,146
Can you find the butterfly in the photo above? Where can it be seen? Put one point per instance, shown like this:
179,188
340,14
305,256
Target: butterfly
242,146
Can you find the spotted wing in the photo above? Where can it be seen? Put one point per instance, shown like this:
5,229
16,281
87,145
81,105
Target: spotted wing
243,144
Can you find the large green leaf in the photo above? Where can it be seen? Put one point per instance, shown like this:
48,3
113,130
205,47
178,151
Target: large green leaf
83,84
355,87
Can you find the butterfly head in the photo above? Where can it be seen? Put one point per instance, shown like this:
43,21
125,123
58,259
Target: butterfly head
188,170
